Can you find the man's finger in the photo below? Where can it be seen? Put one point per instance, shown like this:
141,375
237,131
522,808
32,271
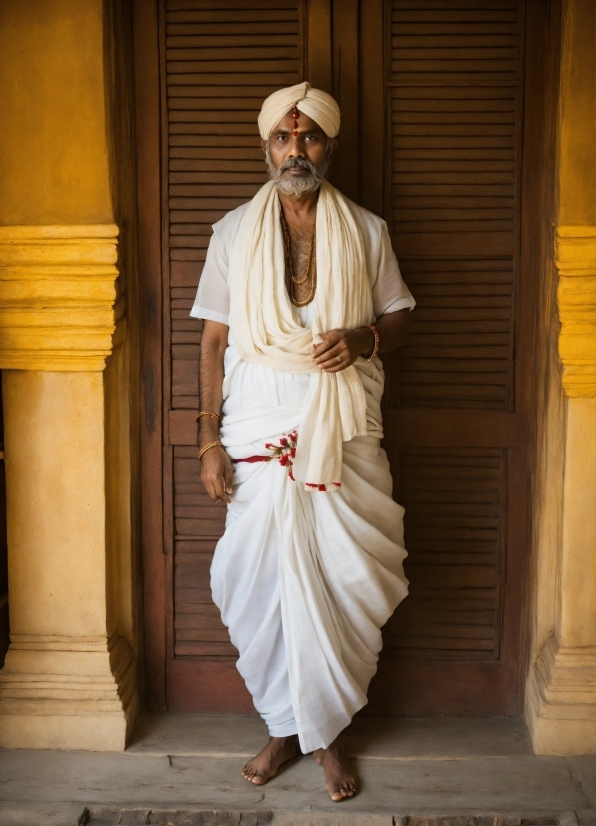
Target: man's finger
220,488
329,340
337,366
334,349
326,359
210,488
228,477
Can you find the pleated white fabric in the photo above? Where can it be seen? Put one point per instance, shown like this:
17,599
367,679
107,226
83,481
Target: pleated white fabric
305,581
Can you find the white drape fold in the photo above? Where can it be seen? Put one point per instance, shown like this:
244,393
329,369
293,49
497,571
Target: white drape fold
305,583
266,331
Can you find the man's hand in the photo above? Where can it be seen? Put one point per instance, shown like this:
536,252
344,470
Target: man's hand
349,344
216,474
340,348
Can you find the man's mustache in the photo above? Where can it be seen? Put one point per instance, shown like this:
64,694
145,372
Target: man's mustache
293,163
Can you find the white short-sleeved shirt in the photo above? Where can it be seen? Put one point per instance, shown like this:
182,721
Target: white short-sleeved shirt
389,291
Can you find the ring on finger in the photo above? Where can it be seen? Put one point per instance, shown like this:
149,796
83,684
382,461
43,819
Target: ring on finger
338,359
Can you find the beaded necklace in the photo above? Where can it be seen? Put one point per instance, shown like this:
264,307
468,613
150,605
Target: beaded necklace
311,269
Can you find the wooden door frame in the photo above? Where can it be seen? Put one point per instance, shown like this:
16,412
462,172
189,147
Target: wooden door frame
370,100
147,85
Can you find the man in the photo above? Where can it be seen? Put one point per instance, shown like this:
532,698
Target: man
310,565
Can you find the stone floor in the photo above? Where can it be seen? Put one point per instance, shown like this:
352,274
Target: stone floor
185,769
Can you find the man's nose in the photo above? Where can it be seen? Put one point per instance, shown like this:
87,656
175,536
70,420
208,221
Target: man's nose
296,150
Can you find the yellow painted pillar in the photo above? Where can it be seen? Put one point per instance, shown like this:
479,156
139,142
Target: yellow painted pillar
561,689
70,678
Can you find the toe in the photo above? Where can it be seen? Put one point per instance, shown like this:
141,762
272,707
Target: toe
258,779
337,794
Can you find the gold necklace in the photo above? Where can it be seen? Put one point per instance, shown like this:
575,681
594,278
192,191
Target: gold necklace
287,251
313,287
311,269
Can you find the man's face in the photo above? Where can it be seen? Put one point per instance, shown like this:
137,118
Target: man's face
298,163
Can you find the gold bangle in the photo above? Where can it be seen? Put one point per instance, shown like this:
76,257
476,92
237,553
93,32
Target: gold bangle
207,413
208,447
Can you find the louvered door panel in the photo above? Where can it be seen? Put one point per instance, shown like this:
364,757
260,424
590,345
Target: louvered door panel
222,59
453,501
460,351
198,524
453,202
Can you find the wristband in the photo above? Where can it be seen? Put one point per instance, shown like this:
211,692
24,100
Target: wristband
370,356
207,413
204,450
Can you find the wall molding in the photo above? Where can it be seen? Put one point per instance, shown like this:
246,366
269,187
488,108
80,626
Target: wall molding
561,713
68,692
59,303
575,257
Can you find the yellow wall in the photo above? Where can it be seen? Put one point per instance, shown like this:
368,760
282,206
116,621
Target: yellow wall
53,151
561,687
69,323
61,552
577,156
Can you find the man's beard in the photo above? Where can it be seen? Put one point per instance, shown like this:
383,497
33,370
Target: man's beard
297,185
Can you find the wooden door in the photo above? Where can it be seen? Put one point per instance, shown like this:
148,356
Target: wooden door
455,408
432,139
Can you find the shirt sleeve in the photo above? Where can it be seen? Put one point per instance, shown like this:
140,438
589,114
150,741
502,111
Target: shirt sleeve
213,295
389,291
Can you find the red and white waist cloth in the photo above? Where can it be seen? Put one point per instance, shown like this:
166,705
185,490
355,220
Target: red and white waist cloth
284,452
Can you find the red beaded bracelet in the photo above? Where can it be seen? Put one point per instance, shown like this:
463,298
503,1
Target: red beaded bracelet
370,356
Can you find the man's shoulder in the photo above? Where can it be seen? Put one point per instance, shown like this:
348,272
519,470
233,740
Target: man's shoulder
226,226
370,224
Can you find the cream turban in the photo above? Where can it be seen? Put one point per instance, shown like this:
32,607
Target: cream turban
316,104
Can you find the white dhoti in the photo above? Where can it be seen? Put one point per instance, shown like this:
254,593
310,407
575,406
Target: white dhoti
304,580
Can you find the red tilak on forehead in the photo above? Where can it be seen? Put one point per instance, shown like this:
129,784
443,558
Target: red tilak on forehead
295,115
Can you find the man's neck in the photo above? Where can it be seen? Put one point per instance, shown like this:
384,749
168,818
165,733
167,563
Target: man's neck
299,209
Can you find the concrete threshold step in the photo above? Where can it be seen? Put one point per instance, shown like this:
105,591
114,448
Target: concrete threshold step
73,815
175,817
185,770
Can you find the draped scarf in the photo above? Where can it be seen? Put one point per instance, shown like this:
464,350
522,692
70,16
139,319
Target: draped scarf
266,331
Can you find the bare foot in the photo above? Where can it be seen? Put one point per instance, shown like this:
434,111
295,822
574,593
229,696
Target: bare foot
267,762
339,780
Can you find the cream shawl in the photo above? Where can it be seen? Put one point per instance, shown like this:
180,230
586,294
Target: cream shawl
266,331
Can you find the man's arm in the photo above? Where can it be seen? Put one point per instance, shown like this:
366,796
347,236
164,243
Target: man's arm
216,468
393,331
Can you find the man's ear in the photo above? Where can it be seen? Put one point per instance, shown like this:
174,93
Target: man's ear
264,146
